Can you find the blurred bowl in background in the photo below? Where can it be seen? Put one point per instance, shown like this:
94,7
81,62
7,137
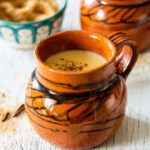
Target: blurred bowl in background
25,35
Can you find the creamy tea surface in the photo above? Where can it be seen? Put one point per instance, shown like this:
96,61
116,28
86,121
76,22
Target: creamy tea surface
75,61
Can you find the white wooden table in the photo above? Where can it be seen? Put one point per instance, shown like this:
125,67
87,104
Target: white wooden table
15,68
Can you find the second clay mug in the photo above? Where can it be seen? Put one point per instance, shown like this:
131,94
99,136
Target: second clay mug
107,16
80,110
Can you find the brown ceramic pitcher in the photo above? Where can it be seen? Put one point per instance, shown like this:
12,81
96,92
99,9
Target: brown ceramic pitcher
107,16
80,110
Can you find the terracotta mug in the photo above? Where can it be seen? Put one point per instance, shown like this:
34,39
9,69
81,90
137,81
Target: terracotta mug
80,110
129,16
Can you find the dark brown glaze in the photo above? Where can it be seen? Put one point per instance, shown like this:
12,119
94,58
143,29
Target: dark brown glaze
80,111
107,16
91,118
67,98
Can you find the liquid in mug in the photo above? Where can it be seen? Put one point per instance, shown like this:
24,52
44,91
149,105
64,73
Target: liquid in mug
75,61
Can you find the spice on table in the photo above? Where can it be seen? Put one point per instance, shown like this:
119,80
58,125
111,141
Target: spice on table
2,96
19,111
7,124
5,117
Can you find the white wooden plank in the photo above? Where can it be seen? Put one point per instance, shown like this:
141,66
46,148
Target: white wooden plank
16,67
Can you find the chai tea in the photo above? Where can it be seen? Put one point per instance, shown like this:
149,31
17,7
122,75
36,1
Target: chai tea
75,61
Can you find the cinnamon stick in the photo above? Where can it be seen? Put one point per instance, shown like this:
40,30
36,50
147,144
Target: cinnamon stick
5,117
19,111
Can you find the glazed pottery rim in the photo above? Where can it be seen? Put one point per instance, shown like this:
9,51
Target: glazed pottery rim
92,35
63,7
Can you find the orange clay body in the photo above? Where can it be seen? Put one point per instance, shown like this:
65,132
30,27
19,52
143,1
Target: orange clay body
107,16
80,110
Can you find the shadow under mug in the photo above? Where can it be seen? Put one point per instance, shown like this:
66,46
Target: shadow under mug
80,110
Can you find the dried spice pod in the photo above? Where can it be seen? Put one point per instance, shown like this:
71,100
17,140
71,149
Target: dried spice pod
19,111
2,95
5,117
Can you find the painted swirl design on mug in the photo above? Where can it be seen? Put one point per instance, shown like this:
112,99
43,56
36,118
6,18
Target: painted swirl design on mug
116,14
74,114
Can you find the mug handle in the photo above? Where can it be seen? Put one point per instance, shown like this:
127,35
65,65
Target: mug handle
127,53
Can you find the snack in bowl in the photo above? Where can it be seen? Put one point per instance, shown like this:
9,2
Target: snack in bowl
27,10
24,23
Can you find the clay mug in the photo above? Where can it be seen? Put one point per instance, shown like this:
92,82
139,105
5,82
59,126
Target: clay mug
80,110
107,16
